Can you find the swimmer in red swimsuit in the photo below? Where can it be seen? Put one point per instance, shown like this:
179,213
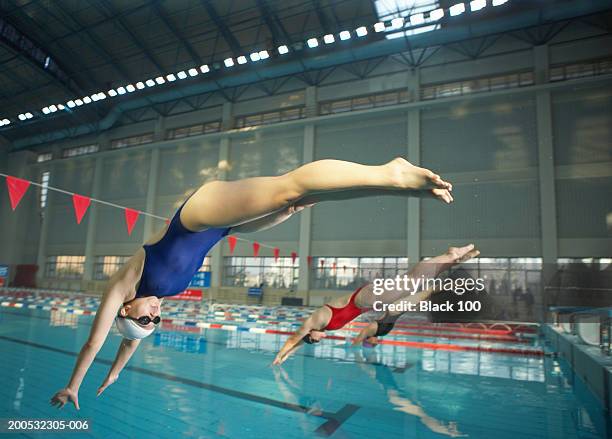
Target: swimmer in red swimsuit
337,313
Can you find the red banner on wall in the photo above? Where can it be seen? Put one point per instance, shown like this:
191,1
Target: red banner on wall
232,240
81,204
188,294
17,188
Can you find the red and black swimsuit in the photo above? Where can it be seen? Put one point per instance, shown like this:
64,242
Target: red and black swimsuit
344,315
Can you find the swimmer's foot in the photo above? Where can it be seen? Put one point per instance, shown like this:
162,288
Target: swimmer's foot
407,176
458,255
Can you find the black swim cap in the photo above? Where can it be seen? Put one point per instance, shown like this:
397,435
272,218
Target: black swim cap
308,339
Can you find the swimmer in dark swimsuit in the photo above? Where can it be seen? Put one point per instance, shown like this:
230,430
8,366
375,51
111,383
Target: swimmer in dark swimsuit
378,328
165,265
344,309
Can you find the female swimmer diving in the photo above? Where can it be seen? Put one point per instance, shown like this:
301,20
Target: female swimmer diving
340,311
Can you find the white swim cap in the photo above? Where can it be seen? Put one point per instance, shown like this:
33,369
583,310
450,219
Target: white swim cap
132,330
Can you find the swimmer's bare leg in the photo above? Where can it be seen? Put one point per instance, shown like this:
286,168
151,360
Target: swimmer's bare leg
426,269
438,193
284,214
229,203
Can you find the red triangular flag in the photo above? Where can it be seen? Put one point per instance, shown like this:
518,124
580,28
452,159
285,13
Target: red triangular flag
16,189
256,248
167,221
232,240
81,204
293,257
131,216
309,260
276,253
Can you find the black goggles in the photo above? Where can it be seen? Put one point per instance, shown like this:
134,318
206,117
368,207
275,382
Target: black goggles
144,320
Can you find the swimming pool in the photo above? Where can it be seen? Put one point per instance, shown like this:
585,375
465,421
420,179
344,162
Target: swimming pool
203,382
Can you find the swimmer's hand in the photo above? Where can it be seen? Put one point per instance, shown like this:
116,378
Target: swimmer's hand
280,359
110,379
63,396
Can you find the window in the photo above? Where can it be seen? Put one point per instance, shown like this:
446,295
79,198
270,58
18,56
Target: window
194,130
579,70
252,272
80,150
351,273
459,88
44,188
270,117
364,102
132,141
44,157
106,266
65,267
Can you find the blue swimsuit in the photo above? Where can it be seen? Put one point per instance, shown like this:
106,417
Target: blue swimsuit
171,263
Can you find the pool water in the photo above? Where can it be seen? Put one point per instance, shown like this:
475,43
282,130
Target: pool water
209,383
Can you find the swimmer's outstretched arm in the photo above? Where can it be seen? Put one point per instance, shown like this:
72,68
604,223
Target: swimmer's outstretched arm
367,332
124,353
292,344
316,321
229,203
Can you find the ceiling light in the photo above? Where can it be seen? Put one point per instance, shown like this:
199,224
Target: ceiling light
181,74
22,117
86,100
241,59
52,108
255,56
361,31
457,9
94,97
171,77
150,82
477,5
436,14
329,38
263,54
78,102
160,80
417,19
345,35
379,27
101,95
204,68
229,62
60,107
193,72
140,85
121,90
29,115
283,49
130,88
397,22
312,43
499,2
112,93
